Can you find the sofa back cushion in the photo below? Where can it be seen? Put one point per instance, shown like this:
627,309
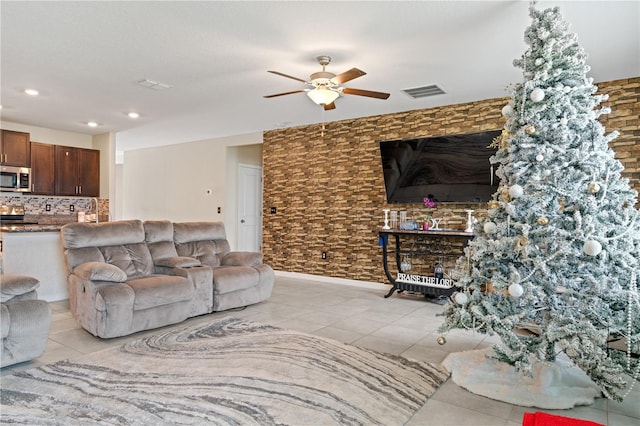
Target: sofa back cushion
159,239
79,235
118,243
205,241
134,259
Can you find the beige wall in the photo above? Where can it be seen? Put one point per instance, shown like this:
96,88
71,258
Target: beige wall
171,182
106,144
329,189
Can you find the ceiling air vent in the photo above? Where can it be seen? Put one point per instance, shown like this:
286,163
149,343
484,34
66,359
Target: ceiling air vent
153,85
424,91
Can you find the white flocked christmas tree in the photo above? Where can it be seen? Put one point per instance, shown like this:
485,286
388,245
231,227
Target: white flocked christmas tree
555,266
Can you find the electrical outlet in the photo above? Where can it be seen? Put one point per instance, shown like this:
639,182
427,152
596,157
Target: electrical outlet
47,207
324,255
72,208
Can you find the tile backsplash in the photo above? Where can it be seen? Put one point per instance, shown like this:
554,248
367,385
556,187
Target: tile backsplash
60,208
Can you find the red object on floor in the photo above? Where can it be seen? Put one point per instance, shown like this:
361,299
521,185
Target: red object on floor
544,419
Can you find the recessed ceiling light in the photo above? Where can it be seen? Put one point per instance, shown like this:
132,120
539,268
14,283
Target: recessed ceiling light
133,115
92,124
32,92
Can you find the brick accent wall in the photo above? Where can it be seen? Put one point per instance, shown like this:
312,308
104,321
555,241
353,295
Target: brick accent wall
328,190
624,100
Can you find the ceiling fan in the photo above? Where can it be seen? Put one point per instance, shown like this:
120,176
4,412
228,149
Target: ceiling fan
326,86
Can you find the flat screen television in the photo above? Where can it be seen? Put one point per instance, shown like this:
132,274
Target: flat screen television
447,169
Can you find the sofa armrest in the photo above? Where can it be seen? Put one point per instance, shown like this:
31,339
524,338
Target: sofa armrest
16,285
242,258
177,262
100,271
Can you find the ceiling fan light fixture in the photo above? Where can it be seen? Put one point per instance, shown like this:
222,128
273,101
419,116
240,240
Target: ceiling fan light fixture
323,96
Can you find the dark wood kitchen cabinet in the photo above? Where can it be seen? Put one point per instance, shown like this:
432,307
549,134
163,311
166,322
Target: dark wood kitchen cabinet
42,169
15,149
77,171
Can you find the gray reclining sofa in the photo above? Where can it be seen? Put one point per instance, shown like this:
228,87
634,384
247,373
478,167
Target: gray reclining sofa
127,276
24,320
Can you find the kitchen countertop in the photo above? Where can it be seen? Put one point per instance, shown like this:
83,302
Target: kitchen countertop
30,228
42,223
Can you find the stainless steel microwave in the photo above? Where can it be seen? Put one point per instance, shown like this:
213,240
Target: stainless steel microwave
15,179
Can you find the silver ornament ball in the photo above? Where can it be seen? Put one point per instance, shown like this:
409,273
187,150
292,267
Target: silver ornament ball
537,94
592,247
516,191
441,340
516,290
490,228
460,298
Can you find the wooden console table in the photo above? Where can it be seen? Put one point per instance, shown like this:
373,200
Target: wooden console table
429,286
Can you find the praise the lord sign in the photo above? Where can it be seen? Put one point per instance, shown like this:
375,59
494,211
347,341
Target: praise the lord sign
426,281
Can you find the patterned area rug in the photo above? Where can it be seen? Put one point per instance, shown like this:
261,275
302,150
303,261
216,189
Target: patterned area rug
227,372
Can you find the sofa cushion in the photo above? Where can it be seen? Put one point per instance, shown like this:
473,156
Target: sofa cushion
204,251
158,290
198,231
100,271
177,262
82,255
77,235
161,250
134,259
158,230
158,235
227,279
242,258
15,285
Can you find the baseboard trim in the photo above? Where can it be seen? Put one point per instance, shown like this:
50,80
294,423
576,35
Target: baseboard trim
333,280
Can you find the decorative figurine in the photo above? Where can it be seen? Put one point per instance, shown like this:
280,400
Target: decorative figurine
469,221
386,219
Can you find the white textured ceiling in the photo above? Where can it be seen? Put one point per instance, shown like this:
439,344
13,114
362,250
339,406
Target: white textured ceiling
86,56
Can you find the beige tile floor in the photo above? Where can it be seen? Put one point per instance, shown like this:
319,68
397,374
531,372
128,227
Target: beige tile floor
402,324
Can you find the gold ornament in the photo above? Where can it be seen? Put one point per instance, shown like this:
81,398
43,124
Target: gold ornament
486,288
530,129
521,246
504,194
501,141
493,204
593,187
543,220
441,340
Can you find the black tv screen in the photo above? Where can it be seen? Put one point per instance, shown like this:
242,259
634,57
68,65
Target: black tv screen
447,169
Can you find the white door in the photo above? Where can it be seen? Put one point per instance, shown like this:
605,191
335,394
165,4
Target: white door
249,208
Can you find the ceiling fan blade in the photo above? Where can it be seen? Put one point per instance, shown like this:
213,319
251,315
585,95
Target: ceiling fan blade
332,105
347,76
288,76
282,94
368,93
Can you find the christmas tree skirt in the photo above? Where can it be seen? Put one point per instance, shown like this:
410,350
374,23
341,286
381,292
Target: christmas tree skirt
557,385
